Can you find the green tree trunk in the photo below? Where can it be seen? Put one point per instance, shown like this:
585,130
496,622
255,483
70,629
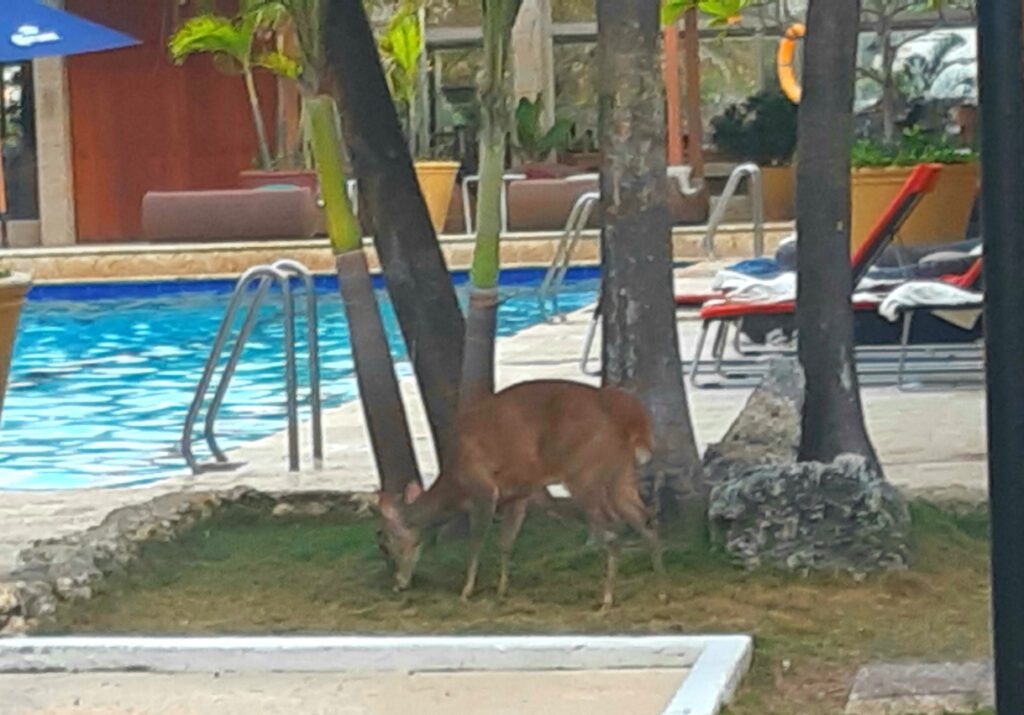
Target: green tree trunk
833,422
478,368
641,349
379,392
414,268
266,162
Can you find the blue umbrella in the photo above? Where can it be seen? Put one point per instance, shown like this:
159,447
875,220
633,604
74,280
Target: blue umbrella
29,29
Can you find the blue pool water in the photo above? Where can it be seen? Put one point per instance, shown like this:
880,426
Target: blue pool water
103,375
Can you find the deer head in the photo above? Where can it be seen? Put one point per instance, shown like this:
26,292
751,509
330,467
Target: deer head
400,543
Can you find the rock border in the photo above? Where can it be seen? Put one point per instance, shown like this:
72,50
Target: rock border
68,568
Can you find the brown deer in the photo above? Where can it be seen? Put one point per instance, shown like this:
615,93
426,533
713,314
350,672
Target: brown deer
511,447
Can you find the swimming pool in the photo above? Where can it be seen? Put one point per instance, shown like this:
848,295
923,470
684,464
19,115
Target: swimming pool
103,375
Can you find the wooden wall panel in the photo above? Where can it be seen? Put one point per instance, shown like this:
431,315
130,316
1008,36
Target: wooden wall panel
141,124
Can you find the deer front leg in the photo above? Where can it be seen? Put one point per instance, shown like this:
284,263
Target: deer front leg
512,515
611,545
480,517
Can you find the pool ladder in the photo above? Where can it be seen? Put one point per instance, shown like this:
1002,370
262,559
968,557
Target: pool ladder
251,291
577,222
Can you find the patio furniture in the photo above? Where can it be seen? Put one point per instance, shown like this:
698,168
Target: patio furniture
727,311
229,215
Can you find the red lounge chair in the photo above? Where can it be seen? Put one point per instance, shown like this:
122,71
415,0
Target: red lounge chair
716,307
725,312
920,183
968,281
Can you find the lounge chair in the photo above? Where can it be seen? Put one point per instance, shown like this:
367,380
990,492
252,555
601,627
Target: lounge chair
734,311
918,184
950,295
717,306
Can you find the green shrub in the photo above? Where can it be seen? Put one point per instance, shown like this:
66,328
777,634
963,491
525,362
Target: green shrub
761,129
914,147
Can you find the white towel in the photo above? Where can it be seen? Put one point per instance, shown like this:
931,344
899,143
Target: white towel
744,289
925,294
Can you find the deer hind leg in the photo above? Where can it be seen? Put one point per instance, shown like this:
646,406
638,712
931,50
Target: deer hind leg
611,546
512,515
481,515
632,511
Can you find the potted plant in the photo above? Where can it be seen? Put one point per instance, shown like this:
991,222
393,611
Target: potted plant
241,45
880,169
533,143
762,129
13,287
401,49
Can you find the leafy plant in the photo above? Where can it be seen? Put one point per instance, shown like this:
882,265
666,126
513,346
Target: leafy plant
722,13
915,147
235,39
886,43
761,129
401,47
532,142
921,72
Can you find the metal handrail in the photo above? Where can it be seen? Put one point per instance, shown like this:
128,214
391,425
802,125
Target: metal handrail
467,210
263,277
751,172
577,222
682,175
313,350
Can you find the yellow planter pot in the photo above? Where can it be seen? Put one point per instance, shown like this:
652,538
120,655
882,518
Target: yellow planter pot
437,181
941,217
779,186
12,295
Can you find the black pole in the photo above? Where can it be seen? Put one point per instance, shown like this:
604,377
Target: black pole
1002,139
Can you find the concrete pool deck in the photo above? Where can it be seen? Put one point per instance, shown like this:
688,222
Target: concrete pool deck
638,692
931,444
513,675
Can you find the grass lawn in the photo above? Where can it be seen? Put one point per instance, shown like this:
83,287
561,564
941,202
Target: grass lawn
247,572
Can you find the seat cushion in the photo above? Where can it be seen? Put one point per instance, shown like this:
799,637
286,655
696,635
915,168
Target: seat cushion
229,215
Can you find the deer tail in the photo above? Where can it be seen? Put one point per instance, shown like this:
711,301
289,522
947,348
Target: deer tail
630,413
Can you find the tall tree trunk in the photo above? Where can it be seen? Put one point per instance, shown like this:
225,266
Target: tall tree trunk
478,369
375,371
262,143
414,268
833,422
641,348
888,79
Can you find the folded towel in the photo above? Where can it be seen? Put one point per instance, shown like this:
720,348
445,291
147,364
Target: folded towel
926,294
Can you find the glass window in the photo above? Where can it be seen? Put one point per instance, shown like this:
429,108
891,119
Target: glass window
18,131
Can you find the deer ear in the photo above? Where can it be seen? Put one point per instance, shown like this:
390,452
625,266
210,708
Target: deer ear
413,491
386,505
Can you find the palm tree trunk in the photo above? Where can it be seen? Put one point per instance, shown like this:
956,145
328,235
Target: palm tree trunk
833,422
478,368
641,349
375,371
257,118
414,267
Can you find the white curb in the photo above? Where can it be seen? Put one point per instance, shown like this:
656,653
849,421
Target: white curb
716,663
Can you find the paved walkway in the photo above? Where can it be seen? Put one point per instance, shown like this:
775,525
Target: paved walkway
640,692
930,443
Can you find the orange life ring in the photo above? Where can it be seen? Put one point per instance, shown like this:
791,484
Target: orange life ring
784,62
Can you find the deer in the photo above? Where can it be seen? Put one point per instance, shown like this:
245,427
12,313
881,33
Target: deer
511,447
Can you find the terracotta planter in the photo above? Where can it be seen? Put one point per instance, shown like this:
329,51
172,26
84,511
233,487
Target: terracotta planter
255,179
12,295
779,185
585,161
941,217
437,181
